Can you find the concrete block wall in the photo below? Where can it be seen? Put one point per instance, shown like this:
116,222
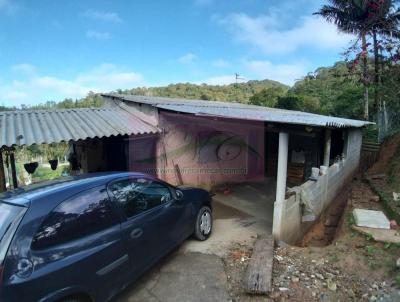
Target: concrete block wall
316,196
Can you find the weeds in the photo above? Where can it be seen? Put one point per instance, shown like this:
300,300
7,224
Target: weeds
350,219
371,250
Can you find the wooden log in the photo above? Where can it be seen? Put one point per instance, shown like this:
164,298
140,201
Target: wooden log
258,276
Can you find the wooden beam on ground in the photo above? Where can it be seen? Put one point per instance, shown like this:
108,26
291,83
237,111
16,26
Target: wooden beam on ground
258,276
3,187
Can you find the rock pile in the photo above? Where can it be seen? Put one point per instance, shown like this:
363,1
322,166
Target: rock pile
298,278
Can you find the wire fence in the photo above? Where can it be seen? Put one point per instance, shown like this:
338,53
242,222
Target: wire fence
388,122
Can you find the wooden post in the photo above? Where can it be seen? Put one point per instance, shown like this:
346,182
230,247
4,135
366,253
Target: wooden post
13,170
3,187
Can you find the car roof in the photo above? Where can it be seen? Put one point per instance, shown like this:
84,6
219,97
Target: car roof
25,195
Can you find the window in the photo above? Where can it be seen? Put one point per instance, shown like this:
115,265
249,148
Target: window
10,217
75,218
8,214
139,195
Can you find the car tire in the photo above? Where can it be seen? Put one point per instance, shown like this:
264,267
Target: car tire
203,227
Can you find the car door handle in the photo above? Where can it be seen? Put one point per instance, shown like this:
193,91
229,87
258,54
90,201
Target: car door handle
136,233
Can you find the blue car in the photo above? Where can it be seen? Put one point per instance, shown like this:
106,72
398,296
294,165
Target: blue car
86,238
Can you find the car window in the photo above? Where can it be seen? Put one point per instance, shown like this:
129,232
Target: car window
8,213
10,217
137,195
79,216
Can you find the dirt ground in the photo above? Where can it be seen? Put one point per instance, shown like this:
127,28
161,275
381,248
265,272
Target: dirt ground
389,148
352,267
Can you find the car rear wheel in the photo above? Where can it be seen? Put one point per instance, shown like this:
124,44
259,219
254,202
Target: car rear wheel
203,227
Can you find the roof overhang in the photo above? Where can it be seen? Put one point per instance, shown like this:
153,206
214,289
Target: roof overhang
28,127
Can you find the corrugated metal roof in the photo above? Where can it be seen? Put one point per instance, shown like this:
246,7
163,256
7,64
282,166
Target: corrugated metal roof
53,126
242,111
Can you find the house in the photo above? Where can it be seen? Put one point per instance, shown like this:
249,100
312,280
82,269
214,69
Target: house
304,158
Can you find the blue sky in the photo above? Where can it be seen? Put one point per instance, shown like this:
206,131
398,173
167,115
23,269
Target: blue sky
50,50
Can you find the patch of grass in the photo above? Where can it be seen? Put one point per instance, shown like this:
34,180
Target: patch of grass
44,173
369,237
371,250
350,219
386,202
333,258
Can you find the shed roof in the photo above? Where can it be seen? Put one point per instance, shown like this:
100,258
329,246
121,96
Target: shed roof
52,126
241,111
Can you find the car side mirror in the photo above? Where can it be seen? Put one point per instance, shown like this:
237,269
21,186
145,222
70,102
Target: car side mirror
179,195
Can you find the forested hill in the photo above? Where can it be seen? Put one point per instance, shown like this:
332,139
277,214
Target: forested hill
240,92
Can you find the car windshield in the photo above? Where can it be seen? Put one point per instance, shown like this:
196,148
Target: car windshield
8,214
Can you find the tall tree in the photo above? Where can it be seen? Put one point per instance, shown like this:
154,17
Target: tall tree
351,16
383,22
377,19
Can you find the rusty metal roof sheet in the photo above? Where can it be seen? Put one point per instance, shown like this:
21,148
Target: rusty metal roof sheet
53,126
241,111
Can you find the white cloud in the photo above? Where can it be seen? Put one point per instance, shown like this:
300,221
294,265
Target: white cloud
97,35
221,63
187,58
102,16
24,69
284,73
38,88
267,35
219,80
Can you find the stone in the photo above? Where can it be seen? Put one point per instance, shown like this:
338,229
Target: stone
295,279
380,235
398,263
371,219
396,196
394,225
319,276
331,285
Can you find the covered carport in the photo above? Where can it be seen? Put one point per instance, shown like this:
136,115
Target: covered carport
281,165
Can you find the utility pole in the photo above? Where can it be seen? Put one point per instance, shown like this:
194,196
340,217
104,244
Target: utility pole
237,79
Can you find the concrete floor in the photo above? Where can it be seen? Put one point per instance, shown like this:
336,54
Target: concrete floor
195,271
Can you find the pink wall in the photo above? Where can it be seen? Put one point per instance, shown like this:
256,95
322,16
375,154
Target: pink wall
209,151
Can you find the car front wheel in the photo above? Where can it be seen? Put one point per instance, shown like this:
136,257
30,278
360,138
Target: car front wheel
203,226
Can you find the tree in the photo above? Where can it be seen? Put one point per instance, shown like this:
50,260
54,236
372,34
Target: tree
351,16
378,19
267,97
384,20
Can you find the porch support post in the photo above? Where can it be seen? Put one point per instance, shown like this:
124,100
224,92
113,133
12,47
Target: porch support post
13,170
282,166
2,174
280,183
327,147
